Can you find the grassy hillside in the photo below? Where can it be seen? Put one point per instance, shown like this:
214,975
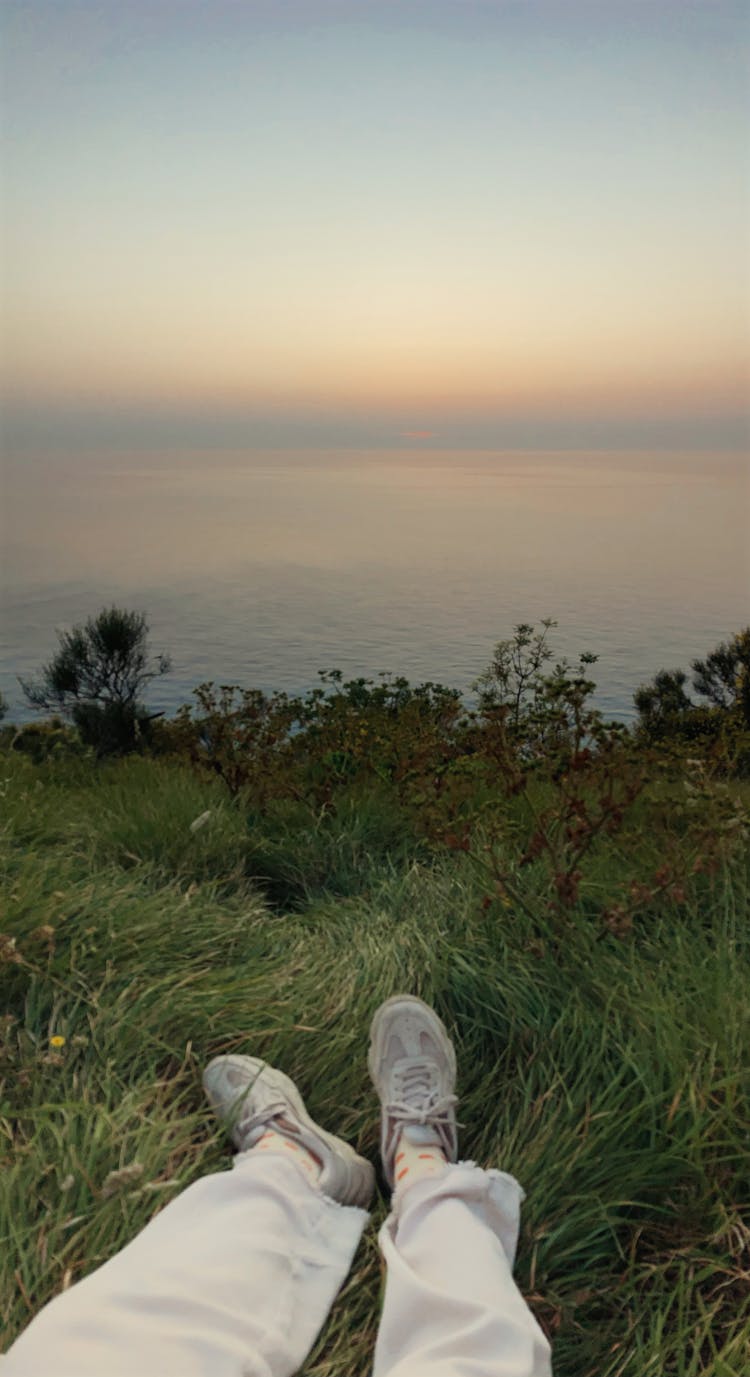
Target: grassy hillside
605,1073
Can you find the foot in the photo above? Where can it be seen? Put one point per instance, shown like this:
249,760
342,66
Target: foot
413,1068
251,1098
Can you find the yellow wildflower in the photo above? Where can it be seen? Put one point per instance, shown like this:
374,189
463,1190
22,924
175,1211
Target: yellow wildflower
57,1041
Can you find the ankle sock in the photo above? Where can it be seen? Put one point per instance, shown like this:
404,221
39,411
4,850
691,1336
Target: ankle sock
418,1155
272,1141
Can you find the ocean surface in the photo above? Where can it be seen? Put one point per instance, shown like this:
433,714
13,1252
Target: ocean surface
262,568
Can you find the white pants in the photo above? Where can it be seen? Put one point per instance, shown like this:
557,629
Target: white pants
235,1278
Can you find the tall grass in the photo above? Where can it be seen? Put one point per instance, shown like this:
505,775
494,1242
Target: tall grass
607,1075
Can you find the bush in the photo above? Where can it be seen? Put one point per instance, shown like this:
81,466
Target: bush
113,728
667,713
50,740
96,678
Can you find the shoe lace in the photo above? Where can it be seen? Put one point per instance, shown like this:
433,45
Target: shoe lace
417,1101
246,1123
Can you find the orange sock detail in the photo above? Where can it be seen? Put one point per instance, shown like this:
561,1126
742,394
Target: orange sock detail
418,1162
276,1142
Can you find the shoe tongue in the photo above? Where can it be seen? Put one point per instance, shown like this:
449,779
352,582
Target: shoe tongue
420,1135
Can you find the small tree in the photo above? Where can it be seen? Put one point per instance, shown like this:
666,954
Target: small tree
724,676
3,706
573,774
722,680
96,678
519,686
661,703
513,680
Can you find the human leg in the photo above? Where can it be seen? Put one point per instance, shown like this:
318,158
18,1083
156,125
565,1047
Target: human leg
451,1306
235,1277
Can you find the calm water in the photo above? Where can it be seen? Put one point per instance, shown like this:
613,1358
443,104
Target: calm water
262,569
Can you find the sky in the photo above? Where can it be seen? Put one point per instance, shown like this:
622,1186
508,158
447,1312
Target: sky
389,223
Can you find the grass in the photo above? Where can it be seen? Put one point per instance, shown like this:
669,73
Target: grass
607,1075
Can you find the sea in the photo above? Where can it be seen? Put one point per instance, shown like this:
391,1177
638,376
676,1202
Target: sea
262,568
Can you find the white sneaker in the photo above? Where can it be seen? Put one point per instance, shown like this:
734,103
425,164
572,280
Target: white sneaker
251,1097
413,1068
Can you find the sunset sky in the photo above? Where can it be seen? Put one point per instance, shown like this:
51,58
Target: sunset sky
379,222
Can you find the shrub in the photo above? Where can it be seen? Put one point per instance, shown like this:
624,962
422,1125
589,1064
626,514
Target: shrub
96,678
667,713
560,778
47,740
724,676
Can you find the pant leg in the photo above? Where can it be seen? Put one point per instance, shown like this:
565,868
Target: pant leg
234,1278
451,1306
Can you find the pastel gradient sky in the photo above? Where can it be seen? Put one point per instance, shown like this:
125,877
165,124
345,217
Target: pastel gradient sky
379,222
